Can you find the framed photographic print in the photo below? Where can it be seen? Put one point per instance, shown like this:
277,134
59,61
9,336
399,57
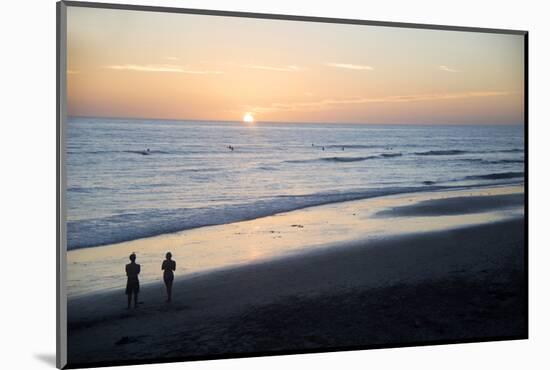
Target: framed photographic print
236,184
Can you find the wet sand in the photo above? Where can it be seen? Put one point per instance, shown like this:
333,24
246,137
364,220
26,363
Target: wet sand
462,283
457,206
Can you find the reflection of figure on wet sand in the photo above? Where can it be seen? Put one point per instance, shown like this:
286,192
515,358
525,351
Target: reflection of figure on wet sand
132,286
169,266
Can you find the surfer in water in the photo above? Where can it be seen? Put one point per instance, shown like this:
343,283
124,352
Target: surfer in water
132,285
169,266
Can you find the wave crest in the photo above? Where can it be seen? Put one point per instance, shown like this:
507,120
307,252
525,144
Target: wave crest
442,152
346,159
496,176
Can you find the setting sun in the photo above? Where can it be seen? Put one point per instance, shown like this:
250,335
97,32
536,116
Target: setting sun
248,118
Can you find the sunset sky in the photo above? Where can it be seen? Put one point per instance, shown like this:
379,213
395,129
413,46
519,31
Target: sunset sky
160,65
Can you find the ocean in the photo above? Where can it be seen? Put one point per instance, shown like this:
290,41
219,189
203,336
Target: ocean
131,178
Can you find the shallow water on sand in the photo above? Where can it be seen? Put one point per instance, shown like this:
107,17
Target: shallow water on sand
214,247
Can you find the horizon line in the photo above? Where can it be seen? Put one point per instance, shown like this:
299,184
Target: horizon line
297,122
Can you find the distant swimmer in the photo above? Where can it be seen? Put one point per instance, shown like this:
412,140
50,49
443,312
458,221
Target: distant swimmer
343,148
230,147
323,148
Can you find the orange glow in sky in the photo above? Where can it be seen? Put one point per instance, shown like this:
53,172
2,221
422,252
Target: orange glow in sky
125,63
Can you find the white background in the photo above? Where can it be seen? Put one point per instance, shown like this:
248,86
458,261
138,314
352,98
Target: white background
27,206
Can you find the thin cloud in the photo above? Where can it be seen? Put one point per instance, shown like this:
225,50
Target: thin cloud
355,67
327,103
172,58
289,68
448,69
72,72
161,68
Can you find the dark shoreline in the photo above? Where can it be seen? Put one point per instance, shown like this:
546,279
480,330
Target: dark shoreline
453,285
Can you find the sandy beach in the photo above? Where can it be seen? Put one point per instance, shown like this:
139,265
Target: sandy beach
463,281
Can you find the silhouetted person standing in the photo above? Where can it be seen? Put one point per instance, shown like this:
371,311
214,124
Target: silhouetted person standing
132,286
169,266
